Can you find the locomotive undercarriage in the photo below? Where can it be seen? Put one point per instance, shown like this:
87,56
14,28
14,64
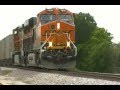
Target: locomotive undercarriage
52,59
28,58
49,58
58,59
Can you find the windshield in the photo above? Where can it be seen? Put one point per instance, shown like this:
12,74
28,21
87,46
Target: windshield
47,18
66,18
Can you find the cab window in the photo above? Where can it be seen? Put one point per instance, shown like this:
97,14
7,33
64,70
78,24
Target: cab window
47,18
66,18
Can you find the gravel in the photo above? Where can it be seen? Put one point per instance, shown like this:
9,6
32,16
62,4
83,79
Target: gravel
25,77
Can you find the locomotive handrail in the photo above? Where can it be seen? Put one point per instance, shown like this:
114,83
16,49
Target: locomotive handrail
69,40
44,44
72,44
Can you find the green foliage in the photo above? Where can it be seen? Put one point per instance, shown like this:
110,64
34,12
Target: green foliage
94,45
115,56
95,54
85,25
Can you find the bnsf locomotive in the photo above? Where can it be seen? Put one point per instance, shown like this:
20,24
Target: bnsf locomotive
46,40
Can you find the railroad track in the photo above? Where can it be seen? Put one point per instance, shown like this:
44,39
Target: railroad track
85,74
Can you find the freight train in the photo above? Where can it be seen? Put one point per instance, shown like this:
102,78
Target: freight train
47,40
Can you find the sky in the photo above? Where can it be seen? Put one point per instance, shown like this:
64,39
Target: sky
107,16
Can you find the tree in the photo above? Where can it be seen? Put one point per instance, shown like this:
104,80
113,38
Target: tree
115,56
85,25
95,53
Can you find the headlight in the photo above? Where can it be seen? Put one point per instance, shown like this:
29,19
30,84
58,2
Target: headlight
58,25
68,44
50,44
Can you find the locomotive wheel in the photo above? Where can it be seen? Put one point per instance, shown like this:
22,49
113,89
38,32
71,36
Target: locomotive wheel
25,61
37,59
25,58
20,60
12,60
